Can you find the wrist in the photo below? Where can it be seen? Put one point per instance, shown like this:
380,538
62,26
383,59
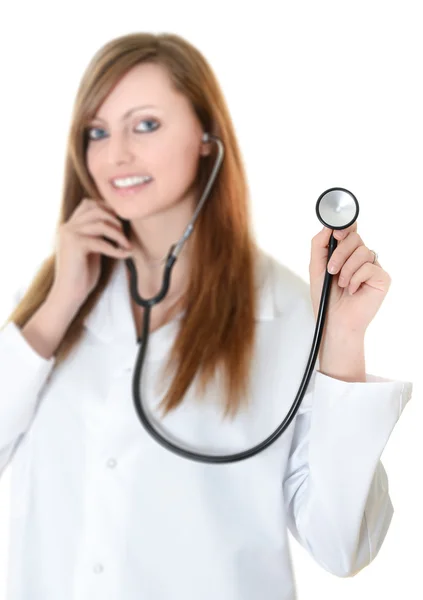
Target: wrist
60,311
62,304
342,356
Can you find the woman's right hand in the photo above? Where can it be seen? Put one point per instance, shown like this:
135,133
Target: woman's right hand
80,245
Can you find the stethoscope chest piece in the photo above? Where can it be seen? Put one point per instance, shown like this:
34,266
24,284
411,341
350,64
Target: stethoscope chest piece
337,208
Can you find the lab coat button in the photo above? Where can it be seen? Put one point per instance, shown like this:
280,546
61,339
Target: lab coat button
111,463
98,568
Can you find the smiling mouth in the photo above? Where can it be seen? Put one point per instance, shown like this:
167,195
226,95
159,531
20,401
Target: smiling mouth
131,189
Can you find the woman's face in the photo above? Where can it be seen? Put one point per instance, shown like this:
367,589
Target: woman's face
161,140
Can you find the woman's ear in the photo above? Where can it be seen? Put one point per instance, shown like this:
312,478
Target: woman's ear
205,145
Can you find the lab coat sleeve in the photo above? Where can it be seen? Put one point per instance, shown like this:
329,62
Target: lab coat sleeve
335,487
23,373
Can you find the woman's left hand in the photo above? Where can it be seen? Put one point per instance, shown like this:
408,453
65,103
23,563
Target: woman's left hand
359,286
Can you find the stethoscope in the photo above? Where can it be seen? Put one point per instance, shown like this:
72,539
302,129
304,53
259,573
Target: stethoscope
336,208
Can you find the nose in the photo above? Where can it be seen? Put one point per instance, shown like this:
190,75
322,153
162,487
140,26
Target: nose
118,148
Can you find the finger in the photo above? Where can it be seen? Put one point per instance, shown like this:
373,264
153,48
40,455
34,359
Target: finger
371,275
103,205
343,251
359,257
340,234
96,245
104,229
95,213
84,205
320,243
375,261
107,209
89,204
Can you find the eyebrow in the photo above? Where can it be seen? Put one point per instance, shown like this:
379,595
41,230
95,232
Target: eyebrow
128,112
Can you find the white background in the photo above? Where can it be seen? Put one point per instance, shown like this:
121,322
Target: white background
321,94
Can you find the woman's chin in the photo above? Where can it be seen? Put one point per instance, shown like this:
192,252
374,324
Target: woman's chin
136,215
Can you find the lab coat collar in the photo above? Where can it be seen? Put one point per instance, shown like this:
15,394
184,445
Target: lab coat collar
112,318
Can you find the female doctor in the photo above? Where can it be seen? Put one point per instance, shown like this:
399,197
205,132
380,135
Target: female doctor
98,508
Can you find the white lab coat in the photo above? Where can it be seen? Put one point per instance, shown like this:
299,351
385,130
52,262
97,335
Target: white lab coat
100,511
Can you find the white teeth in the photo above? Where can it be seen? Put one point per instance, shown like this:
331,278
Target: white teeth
128,181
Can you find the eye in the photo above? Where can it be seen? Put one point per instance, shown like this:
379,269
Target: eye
91,131
149,121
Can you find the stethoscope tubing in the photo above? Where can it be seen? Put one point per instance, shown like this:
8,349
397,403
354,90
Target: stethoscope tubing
137,375
147,304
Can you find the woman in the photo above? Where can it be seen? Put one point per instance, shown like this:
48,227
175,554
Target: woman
99,509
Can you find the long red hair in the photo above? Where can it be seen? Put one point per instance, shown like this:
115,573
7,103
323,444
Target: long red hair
218,328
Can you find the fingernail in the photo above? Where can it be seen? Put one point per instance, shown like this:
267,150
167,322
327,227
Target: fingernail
332,268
